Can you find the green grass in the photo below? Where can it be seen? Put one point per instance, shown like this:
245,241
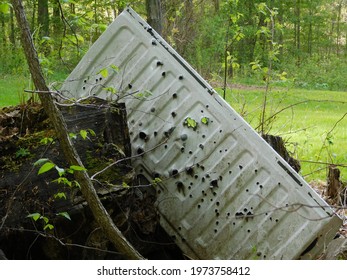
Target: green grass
12,90
313,123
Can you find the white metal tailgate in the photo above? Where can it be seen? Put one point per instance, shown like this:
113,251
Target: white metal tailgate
223,192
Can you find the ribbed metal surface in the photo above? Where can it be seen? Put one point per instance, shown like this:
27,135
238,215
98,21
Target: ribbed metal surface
223,192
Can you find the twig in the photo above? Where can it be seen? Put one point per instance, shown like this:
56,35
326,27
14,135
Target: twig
322,162
299,103
46,235
331,130
127,158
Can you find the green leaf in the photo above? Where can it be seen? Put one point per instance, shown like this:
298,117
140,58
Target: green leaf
22,152
63,180
94,26
102,27
114,68
72,135
34,216
77,184
205,120
4,8
144,95
235,65
48,226
46,140
46,167
77,168
190,123
65,215
60,195
84,134
156,181
46,220
40,161
61,171
92,132
103,72
148,93
111,89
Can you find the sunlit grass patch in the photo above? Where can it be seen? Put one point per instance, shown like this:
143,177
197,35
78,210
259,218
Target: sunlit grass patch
313,123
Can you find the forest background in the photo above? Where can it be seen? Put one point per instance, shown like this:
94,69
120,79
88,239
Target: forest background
281,64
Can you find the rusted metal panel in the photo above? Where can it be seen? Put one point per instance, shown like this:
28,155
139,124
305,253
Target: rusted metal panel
223,192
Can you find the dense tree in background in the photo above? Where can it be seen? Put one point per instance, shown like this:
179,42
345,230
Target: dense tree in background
154,15
211,35
43,18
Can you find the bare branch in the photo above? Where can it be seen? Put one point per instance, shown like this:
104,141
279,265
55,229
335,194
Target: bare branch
124,159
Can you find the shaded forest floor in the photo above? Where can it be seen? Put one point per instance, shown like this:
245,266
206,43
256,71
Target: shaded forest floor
65,228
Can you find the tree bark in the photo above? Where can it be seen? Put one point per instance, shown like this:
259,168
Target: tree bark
43,17
310,33
57,24
12,29
154,15
87,188
3,27
334,185
298,29
338,27
216,6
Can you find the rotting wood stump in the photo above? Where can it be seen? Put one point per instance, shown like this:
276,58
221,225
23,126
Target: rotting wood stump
277,143
334,184
100,134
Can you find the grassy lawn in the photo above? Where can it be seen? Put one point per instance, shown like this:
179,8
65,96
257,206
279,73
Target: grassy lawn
313,123
12,90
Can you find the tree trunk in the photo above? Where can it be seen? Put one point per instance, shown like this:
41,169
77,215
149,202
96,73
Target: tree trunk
310,33
338,27
216,6
56,19
87,188
280,17
154,15
33,16
3,27
297,29
43,17
12,29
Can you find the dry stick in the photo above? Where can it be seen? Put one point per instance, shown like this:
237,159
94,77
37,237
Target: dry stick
324,163
127,158
298,103
87,188
61,242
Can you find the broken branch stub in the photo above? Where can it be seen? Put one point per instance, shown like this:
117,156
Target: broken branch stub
334,184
